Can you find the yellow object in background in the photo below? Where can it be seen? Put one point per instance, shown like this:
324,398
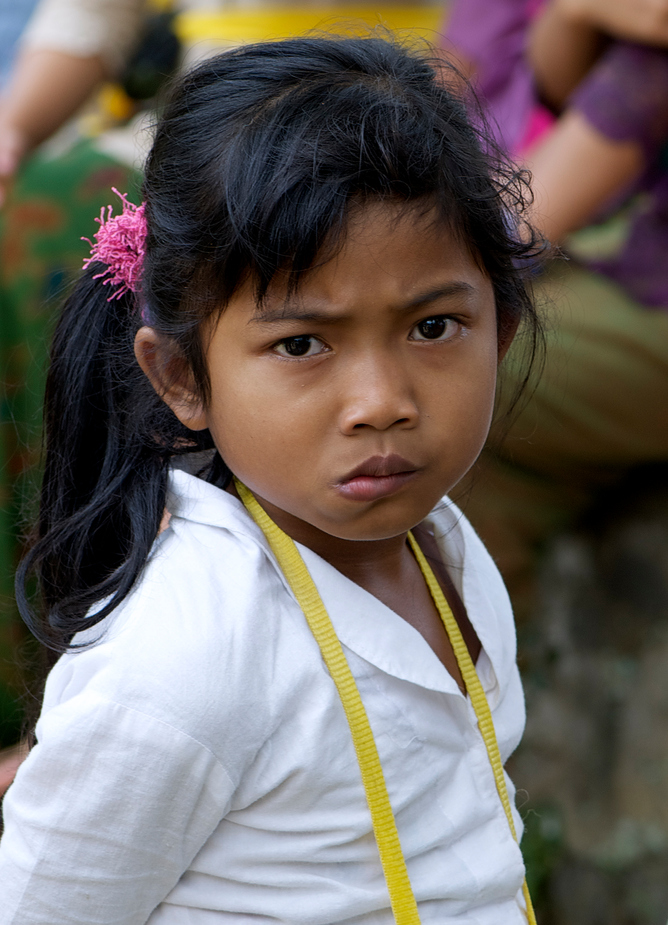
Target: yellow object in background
239,26
111,107
115,101
205,31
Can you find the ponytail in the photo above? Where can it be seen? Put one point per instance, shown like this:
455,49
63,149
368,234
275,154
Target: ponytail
108,438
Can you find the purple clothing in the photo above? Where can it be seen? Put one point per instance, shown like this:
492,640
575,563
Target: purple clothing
624,96
491,34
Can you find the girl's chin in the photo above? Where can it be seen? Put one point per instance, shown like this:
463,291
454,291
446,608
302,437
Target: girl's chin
376,523
363,509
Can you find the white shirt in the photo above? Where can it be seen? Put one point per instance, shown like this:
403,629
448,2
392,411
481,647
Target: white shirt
194,766
84,28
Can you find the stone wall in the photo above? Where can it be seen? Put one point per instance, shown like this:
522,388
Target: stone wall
592,770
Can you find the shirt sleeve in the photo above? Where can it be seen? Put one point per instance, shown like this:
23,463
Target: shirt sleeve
105,815
625,96
85,28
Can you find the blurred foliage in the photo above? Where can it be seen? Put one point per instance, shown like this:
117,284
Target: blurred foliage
543,849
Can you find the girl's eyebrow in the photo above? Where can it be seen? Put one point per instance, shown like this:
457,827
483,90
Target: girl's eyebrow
291,311
458,287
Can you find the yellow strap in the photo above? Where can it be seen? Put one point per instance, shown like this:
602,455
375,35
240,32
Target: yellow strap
402,900
476,693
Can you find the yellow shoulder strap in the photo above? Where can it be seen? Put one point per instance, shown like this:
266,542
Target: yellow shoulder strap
476,693
402,900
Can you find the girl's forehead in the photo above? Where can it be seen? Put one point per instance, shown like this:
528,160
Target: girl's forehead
401,237
401,245
373,218
389,258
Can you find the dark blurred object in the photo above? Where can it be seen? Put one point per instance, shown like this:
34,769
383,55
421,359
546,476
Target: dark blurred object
154,60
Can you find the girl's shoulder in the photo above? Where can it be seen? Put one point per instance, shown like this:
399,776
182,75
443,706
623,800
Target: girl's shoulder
206,572
209,622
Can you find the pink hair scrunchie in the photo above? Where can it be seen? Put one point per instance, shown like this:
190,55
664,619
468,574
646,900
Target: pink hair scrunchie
120,243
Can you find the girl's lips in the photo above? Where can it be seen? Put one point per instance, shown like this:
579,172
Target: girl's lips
372,487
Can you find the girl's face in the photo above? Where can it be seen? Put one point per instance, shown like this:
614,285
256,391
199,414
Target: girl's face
354,405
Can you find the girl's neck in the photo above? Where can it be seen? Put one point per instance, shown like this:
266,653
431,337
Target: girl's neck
362,561
388,570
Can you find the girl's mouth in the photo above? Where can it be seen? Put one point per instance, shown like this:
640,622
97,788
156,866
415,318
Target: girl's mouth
377,477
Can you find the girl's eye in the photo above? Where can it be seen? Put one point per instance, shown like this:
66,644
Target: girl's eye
305,345
438,328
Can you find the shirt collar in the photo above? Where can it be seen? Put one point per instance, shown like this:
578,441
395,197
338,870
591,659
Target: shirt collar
193,499
381,636
387,641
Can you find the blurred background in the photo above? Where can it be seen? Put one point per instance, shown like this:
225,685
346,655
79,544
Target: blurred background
571,495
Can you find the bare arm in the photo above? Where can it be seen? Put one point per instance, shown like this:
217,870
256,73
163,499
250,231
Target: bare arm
563,44
69,46
47,87
567,36
575,172
10,759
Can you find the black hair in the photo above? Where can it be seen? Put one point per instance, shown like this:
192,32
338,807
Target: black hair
258,157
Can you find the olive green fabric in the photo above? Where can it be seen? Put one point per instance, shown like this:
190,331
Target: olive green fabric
599,408
53,204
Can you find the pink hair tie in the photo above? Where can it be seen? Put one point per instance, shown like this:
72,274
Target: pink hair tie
120,242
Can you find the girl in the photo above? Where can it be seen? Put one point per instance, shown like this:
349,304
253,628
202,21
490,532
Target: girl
267,709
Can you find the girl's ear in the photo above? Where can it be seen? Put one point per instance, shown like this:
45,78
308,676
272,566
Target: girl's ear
171,377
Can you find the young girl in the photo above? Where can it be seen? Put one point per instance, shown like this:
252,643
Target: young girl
265,382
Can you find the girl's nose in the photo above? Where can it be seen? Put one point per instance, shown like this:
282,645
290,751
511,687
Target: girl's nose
380,398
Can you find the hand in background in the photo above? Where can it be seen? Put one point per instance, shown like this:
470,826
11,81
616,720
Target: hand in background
567,36
644,21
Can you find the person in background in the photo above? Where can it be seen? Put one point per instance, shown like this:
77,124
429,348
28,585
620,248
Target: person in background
68,48
578,90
